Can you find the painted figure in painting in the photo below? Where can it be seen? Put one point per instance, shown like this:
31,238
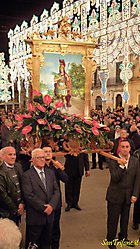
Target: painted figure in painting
63,84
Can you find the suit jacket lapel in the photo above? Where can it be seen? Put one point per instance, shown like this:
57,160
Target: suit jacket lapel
37,179
130,163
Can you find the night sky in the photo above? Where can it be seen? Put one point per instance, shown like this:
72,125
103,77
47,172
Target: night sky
13,12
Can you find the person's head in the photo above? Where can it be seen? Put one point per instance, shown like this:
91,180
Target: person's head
10,235
8,155
123,134
38,158
125,148
117,128
48,153
133,128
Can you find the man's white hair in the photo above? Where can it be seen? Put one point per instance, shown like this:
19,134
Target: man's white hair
35,151
5,150
10,235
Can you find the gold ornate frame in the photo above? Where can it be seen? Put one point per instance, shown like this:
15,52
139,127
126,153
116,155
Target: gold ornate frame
63,46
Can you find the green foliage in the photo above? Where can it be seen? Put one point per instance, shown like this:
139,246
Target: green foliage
77,75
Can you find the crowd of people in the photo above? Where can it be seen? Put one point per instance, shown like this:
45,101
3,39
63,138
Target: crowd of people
30,180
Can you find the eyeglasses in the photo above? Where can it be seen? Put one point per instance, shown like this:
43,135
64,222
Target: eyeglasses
39,157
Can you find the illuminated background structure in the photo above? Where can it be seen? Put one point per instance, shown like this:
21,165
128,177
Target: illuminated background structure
115,24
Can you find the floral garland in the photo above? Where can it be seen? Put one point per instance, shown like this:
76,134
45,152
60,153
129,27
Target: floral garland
44,118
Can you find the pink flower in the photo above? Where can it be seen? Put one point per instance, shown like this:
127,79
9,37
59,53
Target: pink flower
59,104
18,117
87,121
68,118
27,115
52,111
77,129
57,127
41,108
42,121
95,131
47,99
31,107
36,93
96,124
26,129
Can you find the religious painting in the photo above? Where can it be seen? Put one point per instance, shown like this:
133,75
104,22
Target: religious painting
63,76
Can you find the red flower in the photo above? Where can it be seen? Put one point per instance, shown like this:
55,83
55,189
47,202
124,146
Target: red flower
87,121
18,117
77,129
95,131
26,129
47,99
41,108
57,127
52,111
67,117
59,104
31,107
27,115
41,121
96,124
36,92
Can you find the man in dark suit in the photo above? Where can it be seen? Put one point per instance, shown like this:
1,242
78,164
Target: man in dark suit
122,191
11,203
41,195
60,175
74,167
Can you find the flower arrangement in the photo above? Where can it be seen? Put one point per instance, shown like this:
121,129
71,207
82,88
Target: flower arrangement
44,118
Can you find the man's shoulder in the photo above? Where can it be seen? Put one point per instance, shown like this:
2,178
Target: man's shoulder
18,165
134,158
29,171
2,168
50,171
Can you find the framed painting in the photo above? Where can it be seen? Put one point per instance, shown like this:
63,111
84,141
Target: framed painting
63,68
64,77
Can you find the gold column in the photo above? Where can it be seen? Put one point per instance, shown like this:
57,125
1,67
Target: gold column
90,68
36,72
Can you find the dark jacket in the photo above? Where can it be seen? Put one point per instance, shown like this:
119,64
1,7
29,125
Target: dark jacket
8,191
124,183
36,196
6,136
75,165
136,139
60,175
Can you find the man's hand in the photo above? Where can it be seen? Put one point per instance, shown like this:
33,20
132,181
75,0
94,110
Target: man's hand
133,199
122,161
87,173
20,208
48,209
57,164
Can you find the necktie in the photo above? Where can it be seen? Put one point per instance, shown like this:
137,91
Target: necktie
42,177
